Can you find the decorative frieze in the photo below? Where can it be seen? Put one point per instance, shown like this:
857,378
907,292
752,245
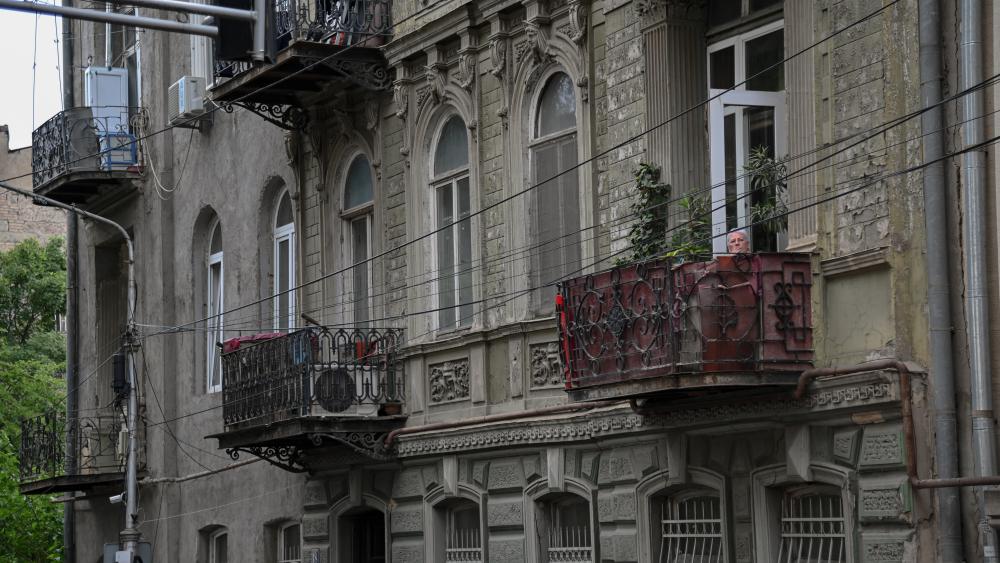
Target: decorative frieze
885,548
850,394
449,381
845,445
466,73
546,365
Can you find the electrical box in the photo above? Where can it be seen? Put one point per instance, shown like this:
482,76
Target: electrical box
186,101
112,552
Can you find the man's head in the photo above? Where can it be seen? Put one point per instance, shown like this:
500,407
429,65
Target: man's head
738,242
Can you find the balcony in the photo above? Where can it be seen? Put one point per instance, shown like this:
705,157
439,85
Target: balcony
100,453
284,394
735,323
85,155
318,44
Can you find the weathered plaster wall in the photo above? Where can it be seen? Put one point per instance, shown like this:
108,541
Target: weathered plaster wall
20,218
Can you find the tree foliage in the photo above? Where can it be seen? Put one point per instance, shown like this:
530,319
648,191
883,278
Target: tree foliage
32,289
32,292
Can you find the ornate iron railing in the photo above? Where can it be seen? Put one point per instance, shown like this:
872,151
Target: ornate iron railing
356,23
42,454
311,372
735,314
85,139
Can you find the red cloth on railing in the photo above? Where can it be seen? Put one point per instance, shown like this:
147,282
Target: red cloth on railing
233,344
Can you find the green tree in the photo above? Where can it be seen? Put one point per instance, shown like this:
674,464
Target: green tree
32,288
32,292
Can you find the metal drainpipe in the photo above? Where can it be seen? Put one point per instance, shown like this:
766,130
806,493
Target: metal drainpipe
942,372
977,313
72,307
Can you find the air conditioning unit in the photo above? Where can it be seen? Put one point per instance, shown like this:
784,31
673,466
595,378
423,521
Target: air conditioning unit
337,391
186,101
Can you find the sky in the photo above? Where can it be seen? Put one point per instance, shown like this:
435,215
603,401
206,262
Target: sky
24,50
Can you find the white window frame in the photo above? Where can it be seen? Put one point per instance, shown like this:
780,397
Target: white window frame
450,180
363,212
214,303
281,543
534,142
284,233
733,102
213,555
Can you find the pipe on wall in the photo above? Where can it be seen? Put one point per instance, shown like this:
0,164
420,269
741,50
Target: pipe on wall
942,370
970,62
72,307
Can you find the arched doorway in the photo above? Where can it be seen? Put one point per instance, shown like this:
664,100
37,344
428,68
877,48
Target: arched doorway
361,536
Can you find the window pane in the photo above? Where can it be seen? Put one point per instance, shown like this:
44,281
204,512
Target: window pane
284,215
452,152
723,68
290,543
732,201
215,323
557,106
281,283
723,11
221,549
446,257
812,529
761,4
762,53
546,221
358,190
360,279
216,244
464,231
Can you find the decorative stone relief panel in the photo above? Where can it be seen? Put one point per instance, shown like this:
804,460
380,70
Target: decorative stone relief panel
885,548
546,365
881,448
845,445
449,381
884,501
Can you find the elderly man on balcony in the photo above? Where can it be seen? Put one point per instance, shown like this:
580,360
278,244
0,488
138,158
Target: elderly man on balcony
738,241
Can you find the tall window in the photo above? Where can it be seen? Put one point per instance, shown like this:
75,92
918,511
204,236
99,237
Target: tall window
690,529
750,117
565,531
218,547
464,540
214,303
358,203
452,207
289,544
284,264
555,210
812,526
125,53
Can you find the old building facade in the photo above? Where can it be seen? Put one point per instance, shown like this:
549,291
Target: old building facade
395,202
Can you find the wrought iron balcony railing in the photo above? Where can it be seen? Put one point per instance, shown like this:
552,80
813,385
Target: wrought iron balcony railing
735,321
341,23
84,139
311,373
42,454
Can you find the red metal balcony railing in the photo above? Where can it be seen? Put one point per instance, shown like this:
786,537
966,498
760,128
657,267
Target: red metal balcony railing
735,321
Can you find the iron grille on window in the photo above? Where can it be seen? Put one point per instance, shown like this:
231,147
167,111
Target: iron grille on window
464,544
570,543
691,531
812,529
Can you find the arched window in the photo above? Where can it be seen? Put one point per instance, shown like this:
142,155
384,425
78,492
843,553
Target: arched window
812,526
463,539
214,304
564,529
359,196
218,547
284,264
452,204
690,527
555,210
289,543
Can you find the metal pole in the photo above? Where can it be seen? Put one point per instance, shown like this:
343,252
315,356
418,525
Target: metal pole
942,372
107,36
130,535
102,17
72,310
181,6
259,30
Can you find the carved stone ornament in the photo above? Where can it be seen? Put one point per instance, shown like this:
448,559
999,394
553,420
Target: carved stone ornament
577,22
401,99
372,114
538,41
423,96
466,74
436,81
449,381
498,56
656,10
546,365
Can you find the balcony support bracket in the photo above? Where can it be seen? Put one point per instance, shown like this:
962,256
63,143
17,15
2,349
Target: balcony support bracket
290,118
288,458
370,444
369,74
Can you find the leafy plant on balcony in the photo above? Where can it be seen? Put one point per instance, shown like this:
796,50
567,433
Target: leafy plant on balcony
692,238
768,194
648,236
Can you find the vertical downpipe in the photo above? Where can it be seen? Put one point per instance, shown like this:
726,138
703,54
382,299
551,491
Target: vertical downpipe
942,373
72,307
976,298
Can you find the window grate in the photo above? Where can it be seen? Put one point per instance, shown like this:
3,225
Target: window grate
691,531
812,529
464,545
570,543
